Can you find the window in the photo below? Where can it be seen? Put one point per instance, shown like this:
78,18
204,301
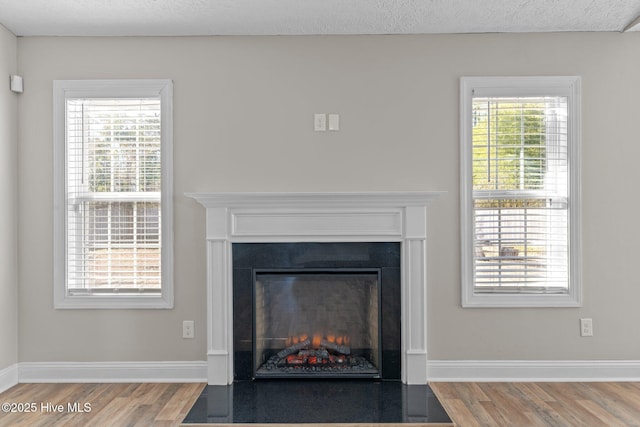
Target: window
113,193
520,191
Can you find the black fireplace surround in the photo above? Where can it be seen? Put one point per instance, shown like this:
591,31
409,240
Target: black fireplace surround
380,260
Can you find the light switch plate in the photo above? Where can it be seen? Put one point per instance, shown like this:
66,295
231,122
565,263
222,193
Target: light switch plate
334,122
320,122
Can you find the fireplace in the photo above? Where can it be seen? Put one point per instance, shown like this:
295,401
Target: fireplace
236,219
316,324
317,310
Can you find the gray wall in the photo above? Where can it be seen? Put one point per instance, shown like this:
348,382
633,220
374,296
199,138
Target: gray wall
244,122
8,203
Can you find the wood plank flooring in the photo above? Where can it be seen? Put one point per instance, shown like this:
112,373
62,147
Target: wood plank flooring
151,404
468,404
541,404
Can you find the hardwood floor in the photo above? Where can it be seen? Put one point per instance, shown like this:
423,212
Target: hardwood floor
468,404
541,404
107,404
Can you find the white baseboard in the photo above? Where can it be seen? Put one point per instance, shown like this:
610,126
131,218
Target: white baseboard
438,371
533,370
112,372
8,377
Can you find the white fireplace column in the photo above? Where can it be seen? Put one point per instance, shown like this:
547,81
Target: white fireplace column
316,217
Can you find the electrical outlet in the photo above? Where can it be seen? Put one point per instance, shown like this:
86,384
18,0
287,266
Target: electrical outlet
586,327
187,329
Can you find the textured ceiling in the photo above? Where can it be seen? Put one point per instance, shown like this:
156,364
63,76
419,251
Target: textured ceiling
281,17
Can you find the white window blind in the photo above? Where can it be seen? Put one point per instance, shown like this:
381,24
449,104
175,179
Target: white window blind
520,183
113,195
520,191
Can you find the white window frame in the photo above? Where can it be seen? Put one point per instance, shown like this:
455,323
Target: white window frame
63,90
569,86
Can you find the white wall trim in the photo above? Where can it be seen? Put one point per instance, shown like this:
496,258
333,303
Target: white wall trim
438,371
533,370
8,377
112,372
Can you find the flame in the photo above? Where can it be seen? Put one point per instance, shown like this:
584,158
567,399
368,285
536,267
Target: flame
343,340
317,339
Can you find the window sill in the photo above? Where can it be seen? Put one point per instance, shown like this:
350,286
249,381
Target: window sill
521,301
114,303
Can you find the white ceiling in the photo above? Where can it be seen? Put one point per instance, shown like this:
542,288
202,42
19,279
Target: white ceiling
281,17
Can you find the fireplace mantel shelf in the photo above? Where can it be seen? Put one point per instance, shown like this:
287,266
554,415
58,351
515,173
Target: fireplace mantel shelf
340,199
316,217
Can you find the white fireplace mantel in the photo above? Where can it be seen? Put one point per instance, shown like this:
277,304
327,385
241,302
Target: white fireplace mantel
316,217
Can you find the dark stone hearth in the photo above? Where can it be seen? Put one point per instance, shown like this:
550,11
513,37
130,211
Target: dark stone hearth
317,401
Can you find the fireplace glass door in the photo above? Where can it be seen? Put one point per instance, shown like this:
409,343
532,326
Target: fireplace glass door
317,323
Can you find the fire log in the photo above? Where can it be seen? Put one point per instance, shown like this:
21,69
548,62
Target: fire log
294,348
342,349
